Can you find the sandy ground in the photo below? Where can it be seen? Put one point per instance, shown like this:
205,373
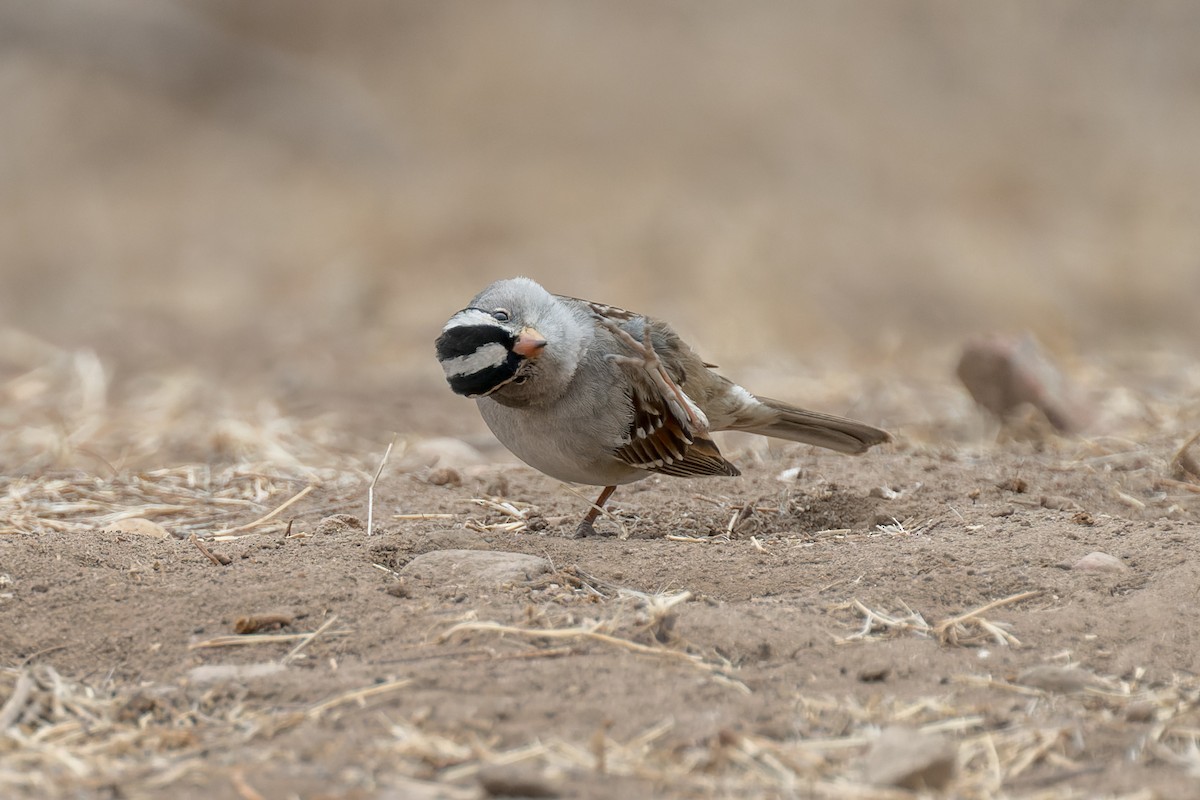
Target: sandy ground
229,233
742,637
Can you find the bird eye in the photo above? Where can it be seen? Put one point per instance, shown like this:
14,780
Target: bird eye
501,314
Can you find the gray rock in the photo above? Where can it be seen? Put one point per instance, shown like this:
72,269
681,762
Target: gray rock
476,567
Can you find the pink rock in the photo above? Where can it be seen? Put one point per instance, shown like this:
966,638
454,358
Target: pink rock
1003,373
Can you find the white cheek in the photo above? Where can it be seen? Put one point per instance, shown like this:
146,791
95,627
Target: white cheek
490,355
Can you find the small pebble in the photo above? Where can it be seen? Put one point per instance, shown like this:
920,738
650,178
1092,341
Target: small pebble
445,476
137,526
1140,711
1099,562
874,673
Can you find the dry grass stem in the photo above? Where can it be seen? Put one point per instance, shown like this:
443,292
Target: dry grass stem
307,640
297,497
356,696
993,683
247,792
234,640
371,487
675,537
1174,484
16,701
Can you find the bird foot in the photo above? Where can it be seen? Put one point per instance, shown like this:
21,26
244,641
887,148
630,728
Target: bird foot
587,525
586,528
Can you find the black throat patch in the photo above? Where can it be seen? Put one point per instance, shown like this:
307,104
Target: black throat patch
477,359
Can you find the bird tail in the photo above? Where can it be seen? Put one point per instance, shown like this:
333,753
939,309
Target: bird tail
813,427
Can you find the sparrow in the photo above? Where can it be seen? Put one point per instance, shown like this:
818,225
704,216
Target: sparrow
590,393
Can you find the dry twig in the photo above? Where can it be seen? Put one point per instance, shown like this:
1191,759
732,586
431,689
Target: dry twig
219,560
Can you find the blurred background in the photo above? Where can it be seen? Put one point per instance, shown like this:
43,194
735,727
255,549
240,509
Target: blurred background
294,195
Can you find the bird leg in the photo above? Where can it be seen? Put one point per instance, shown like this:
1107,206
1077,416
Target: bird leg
648,360
586,526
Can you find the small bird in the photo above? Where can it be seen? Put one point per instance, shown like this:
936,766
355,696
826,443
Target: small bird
590,393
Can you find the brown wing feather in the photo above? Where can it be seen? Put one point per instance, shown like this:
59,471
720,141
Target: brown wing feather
659,441
670,450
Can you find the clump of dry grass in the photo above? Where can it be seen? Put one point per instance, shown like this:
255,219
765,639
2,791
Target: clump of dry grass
73,459
57,735
186,499
639,623
60,413
516,515
826,756
969,629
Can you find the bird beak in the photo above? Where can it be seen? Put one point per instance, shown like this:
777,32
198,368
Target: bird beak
529,344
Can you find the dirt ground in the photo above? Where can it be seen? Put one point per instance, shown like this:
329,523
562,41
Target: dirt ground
230,232
745,637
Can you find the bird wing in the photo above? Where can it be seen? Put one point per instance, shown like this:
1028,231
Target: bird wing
668,432
659,440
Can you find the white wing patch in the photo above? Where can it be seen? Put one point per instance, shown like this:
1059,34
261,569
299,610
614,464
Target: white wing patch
745,397
490,355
